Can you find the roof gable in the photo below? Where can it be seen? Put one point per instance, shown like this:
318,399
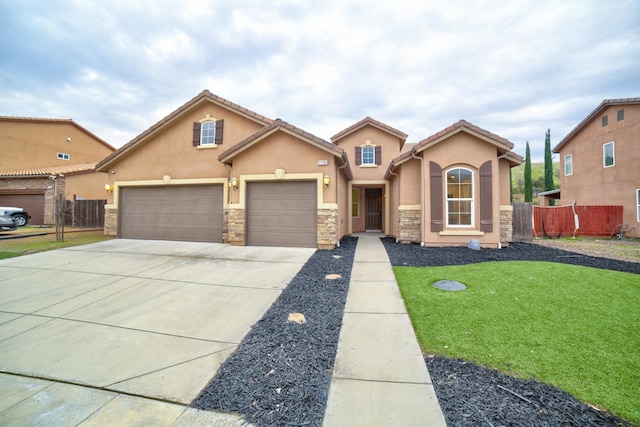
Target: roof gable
204,96
595,113
368,121
502,144
57,122
282,126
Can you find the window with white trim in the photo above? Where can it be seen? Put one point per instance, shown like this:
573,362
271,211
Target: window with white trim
62,156
608,155
460,200
368,155
568,165
208,133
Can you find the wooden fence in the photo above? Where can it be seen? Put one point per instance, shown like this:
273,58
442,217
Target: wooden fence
85,213
570,220
522,225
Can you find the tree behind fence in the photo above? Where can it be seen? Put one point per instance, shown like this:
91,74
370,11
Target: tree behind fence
592,220
85,213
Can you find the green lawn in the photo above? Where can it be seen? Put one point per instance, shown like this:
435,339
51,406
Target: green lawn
577,328
16,247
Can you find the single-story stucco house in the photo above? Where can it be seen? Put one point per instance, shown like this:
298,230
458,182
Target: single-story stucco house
215,171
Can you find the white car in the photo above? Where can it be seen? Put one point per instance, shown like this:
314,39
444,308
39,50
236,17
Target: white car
20,216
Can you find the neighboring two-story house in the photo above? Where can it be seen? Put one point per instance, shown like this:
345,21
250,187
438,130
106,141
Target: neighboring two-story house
44,158
215,171
600,160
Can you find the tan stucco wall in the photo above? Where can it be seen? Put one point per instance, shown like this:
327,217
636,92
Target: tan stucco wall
463,150
89,186
35,145
390,149
593,184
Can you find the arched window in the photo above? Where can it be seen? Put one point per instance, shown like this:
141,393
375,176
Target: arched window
208,133
460,197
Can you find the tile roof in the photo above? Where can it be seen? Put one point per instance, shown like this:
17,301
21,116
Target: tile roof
605,103
369,121
56,121
51,170
466,126
203,96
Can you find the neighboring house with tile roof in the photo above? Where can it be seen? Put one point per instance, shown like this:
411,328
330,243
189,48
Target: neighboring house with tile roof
43,158
215,171
600,160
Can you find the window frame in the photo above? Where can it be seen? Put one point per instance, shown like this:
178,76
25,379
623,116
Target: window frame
604,154
620,115
63,156
365,149
208,126
355,202
471,200
605,121
568,160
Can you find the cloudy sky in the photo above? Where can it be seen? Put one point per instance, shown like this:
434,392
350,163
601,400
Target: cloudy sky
513,68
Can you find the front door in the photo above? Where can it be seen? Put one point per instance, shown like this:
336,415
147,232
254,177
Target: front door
373,203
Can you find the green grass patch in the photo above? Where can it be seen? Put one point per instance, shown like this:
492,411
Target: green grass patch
574,327
27,245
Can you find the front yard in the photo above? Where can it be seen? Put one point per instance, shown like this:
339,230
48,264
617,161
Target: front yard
571,326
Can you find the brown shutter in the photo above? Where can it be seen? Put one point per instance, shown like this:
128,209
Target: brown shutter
486,197
435,185
219,130
358,156
378,155
196,133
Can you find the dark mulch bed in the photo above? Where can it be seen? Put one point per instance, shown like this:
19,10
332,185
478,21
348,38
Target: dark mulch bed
471,395
417,256
281,372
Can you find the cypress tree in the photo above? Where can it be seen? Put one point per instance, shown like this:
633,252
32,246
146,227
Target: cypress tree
528,185
548,165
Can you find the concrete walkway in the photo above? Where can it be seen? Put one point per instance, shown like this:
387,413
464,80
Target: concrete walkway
379,378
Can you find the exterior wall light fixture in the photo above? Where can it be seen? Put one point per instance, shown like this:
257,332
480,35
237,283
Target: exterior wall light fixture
108,188
234,183
326,181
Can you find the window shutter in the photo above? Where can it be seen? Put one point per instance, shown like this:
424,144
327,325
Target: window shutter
196,133
219,129
378,155
486,197
435,182
358,156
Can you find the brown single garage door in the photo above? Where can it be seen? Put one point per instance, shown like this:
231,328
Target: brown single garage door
282,214
188,213
32,203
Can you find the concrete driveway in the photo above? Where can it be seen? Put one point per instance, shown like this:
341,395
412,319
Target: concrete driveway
147,318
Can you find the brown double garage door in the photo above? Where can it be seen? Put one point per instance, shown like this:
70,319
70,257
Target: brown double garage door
278,214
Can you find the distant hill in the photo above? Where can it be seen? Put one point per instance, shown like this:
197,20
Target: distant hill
537,178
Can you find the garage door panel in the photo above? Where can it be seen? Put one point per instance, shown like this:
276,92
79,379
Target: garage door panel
282,214
32,203
189,213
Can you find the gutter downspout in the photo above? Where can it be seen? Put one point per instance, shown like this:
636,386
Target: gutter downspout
230,177
337,183
398,219
422,203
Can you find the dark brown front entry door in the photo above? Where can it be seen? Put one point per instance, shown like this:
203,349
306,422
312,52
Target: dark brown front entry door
373,202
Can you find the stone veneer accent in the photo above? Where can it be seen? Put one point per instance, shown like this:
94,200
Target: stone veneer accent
506,224
327,228
110,221
409,227
236,226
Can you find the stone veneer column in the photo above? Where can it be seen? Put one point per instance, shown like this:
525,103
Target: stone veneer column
327,228
506,224
409,225
110,221
236,227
